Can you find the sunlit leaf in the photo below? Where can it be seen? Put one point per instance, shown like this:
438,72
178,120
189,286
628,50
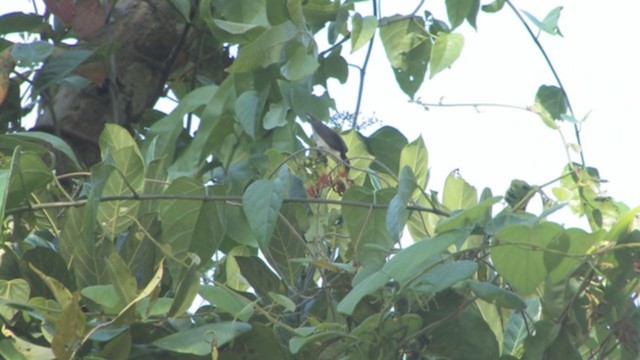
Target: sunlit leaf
445,51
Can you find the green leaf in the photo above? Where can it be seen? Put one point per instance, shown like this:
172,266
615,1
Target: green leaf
399,36
287,243
366,226
466,333
51,141
30,174
445,52
444,276
386,144
247,110
187,225
457,193
516,331
261,203
473,14
275,117
300,64
550,104
360,158
31,54
411,77
183,7
16,290
105,296
518,254
234,27
186,292
125,285
494,294
128,179
58,67
267,49
228,301
397,213
363,29
550,22
402,267
415,156
576,245
493,7
474,216
283,300
6,168
200,340
19,22
535,345
458,10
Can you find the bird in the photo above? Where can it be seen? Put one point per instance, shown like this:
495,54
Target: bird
328,140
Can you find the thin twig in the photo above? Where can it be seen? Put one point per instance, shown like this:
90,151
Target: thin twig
363,71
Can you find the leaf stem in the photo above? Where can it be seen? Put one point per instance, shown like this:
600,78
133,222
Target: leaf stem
553,71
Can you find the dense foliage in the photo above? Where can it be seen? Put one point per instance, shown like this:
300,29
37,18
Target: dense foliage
219,230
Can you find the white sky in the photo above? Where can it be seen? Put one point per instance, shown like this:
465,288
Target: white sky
597,60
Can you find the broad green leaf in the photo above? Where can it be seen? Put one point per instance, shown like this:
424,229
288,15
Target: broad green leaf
149,290
19,22
493,7
397,213
186,292
261,203
127,179
29,175
494,294
458,10
535,345
360,158
267,49
70,329
518,254
409,261
576,245
245,11
333,66
494,317
183,7
415,156
118,348
260,276
125,285
367,286
466,333
16,290
6,167
247,110
188,225
234,27
445,51
167,129
367,229
422,224
31,54
283,301
299,64
62,295
59,66
457,193
550,104
275,117
402,266
516,331
550,22
477,215
386,144
105,296
473,14
362,31
51,140
228,301
410,77
200,340
288,243
443,276
399,36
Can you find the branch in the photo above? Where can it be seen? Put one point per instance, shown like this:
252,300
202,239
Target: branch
232,199
363,71
553,71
